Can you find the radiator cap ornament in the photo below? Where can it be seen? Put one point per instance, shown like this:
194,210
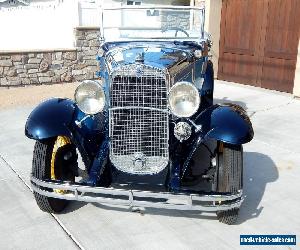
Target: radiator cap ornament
140,58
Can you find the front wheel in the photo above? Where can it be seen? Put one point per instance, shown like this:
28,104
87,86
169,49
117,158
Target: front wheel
229,177
53,159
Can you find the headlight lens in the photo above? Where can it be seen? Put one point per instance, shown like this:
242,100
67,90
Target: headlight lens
90,97
184,99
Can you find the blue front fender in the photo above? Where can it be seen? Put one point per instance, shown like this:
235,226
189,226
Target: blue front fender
50,118
228,123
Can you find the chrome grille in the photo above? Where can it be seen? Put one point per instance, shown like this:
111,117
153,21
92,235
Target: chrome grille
139,120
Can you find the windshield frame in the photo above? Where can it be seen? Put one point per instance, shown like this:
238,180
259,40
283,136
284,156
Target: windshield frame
200,38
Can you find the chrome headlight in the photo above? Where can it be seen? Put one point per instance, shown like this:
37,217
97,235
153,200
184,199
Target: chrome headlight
184,99
90,97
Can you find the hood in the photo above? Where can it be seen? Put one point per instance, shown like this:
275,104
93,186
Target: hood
157,54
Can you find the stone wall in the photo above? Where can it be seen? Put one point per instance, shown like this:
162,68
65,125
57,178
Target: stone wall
53,66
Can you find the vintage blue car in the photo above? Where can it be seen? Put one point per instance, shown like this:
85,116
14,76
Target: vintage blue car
147,131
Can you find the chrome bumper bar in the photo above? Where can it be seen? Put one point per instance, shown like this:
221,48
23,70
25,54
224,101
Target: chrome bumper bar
136,198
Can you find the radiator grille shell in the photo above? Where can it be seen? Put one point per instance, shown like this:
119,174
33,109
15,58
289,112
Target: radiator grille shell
139,119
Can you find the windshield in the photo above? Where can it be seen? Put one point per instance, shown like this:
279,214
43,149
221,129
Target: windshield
152,23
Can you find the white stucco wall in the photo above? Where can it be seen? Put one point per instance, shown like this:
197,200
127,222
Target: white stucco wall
212,25
44,27
296,91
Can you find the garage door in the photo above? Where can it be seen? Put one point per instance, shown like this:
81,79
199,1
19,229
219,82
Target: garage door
259,42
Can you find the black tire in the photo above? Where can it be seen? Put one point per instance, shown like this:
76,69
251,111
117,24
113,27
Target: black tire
228,217
41,169
229,177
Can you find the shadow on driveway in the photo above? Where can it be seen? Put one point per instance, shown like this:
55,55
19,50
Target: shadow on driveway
259,170
73,206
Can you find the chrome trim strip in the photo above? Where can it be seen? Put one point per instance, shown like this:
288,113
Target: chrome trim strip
175,201
139,107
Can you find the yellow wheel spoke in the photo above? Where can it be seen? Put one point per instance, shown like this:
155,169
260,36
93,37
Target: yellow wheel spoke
60,142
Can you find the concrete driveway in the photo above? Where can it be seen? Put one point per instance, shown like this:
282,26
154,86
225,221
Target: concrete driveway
271,184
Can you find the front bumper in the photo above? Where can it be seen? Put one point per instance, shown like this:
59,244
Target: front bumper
136,198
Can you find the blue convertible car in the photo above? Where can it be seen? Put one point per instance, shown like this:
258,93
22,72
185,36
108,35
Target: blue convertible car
147,131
